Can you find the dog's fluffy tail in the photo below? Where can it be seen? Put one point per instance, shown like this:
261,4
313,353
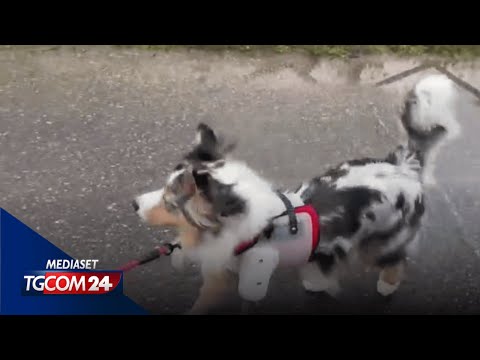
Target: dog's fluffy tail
429,119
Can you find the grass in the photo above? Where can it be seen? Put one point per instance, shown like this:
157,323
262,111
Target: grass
337,51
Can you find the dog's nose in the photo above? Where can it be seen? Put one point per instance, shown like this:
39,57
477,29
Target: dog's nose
135,205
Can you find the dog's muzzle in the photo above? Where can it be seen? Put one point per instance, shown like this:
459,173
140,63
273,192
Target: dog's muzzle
144,203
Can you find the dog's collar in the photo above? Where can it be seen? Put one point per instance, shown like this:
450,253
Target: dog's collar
180,205
190,220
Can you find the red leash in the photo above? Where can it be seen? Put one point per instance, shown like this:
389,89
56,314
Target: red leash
165,249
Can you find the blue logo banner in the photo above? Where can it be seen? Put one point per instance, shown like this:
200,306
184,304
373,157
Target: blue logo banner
23,258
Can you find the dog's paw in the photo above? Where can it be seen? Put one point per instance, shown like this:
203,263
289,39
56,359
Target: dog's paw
314,287
385,288
334,289
330,287
314,281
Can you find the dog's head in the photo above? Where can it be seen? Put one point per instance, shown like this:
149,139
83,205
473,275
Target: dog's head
191,196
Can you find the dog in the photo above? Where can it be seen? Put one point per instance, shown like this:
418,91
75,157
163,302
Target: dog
369,209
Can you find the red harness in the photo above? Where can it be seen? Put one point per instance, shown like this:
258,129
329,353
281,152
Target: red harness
307,209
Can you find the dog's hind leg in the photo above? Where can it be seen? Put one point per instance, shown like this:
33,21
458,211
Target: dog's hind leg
316,279
392,263
390,278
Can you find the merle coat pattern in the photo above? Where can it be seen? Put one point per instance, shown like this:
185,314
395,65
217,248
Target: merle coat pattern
369,208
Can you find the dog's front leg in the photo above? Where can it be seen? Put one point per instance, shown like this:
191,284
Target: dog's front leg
215,287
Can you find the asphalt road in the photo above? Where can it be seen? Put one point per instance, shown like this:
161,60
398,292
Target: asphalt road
84,130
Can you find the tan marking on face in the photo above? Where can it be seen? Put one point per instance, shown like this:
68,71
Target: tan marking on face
189,235
160,216
198,208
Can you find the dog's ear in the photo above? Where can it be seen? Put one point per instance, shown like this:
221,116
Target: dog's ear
209,147
205,136
224,201
187,183
206,145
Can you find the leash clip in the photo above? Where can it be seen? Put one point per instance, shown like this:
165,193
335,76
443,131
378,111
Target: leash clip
171,247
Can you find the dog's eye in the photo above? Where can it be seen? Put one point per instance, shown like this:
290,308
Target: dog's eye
179,167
